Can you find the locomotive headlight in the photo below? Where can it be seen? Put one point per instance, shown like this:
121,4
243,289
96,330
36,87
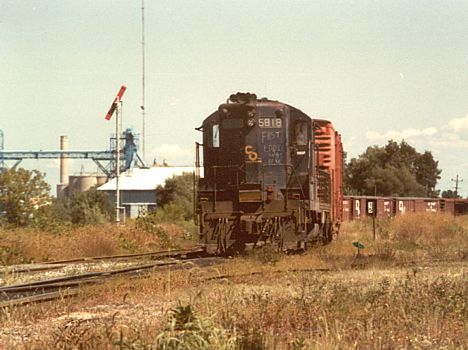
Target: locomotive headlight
251,122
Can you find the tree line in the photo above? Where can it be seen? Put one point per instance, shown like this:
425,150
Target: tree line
25,200
395,169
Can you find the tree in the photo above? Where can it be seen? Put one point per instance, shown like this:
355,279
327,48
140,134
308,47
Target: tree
22,194
395,169
177,193
450,194
90,207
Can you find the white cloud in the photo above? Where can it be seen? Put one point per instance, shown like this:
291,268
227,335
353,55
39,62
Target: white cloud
458,124
172,153
399,135
350,141
448,143
373,135
452,135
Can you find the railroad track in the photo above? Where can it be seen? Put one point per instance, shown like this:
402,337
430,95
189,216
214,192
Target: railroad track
59,264
67,286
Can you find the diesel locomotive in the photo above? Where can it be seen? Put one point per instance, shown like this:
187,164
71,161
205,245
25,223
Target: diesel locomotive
271,175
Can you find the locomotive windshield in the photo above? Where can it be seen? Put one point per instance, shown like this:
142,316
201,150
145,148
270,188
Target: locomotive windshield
232,123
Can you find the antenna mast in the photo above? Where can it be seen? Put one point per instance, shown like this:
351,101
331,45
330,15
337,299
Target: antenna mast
457,180
143,77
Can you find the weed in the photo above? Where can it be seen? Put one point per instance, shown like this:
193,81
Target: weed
267,254
385,250
186,330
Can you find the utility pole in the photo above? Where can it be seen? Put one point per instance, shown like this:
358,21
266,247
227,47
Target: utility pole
143,112
457,180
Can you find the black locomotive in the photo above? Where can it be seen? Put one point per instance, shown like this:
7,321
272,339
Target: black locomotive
271,174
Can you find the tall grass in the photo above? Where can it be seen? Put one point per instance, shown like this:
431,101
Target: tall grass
383,300
296,311
24,245
410,236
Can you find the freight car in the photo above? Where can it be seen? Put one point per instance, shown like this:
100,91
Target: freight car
271,175
356,207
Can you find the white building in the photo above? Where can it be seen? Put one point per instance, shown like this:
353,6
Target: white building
137,187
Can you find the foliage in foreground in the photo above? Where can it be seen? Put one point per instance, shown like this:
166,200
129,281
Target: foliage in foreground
320,313
368,304
297,311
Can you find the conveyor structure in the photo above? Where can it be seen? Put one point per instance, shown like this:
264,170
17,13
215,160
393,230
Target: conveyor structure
128,154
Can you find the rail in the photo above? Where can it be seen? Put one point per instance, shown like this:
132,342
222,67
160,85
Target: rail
61,287
57,264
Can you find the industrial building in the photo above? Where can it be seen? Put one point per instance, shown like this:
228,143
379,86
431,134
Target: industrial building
138,187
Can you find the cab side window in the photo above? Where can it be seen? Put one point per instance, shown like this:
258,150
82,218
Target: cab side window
300,133
215,136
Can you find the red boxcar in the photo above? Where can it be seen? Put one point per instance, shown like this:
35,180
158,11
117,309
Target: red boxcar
356,207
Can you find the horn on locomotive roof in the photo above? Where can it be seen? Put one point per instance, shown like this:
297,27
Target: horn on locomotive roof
242,97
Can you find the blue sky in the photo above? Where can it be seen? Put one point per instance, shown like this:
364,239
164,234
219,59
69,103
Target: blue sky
377,69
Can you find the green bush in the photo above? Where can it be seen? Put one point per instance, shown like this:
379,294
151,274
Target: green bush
177,193
82,208
151,223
